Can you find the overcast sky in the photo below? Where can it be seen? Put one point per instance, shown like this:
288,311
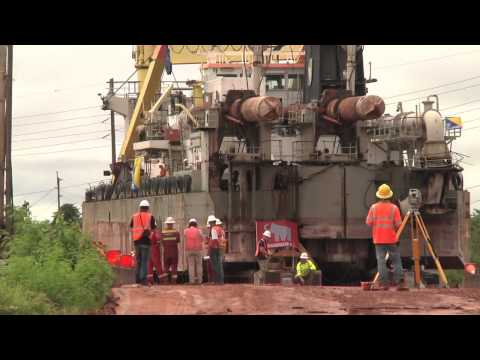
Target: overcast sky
57,79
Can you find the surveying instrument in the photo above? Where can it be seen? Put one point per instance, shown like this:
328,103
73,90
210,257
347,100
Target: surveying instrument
417,227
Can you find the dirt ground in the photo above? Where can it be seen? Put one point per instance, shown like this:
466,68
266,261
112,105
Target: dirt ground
242,299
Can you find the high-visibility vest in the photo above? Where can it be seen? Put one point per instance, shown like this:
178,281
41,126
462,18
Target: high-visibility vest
384,217
222,241
303,268
141,222
193,239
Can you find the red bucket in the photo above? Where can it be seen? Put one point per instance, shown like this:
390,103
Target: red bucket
113,256
127,261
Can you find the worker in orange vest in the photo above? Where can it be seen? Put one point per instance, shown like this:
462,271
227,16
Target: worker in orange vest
142,224
194,251
222,239
170,240
384,218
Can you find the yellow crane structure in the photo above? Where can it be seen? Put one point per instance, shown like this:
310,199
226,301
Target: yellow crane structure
150,63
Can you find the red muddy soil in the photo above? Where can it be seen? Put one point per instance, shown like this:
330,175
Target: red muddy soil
242,299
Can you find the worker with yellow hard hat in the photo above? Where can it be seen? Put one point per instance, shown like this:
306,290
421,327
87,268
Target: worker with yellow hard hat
384,218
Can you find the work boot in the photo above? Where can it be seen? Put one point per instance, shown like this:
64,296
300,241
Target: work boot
379,286
402,286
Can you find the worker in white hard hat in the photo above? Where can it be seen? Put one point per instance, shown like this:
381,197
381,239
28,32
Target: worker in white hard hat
142,224
262,252
214,250
221,238
193,241
305,270
170,241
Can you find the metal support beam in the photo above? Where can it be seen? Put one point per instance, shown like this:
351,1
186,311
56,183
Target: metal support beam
112,127
8,141
3,72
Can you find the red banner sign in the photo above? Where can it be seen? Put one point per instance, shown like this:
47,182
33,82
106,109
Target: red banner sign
284,233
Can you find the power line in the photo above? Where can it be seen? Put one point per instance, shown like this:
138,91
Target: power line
440,93
67,135
63,187
59,120
433,87
63,151
458,105
59,144
57,112
56,90
59,129
464,111
43,197
426,60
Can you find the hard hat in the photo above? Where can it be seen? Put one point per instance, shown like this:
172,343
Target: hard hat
211,218
267,233
304,256
144,203
470,268
192,220
170,220
219,222
384,192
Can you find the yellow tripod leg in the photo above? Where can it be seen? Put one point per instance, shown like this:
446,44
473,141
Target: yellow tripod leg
426,236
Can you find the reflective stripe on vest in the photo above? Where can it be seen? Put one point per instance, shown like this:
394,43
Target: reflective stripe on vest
141,222
166,237
382,221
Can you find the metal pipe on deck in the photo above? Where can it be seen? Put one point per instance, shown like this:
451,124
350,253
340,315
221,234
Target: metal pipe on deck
261,108
352,109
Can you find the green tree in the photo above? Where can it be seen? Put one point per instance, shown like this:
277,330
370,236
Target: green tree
475,237
52,268
69,212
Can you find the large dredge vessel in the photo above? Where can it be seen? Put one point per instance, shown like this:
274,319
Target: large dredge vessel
278,132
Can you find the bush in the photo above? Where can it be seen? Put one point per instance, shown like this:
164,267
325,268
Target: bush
16,300
58,262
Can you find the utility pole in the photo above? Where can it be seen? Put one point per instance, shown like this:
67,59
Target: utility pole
3,87
112,127
8,142
58,192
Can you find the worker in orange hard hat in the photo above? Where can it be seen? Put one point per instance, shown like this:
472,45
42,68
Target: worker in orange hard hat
385,219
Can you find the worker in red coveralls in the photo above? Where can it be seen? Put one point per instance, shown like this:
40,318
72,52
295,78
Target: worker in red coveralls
155,261
207,258
170,241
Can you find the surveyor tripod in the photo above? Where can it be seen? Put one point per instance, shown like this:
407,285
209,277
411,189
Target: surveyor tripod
416,223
